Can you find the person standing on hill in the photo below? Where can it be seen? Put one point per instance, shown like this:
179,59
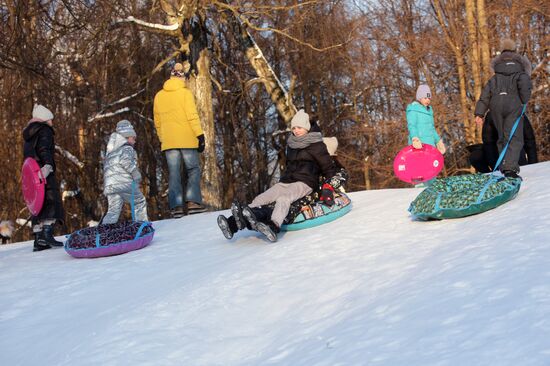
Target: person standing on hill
504,95
182,139
122,175
420,121
40,145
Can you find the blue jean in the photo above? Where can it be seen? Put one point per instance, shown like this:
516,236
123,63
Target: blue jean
190,159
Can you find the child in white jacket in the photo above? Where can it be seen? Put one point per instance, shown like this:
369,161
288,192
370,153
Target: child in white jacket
121,174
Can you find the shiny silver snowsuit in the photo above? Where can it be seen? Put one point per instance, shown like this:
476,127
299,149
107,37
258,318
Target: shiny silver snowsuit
120,172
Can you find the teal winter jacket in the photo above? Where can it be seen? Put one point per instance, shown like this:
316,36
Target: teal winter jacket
420,122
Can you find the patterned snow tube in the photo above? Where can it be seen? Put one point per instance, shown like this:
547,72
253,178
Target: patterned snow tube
109,239
318,213
463,195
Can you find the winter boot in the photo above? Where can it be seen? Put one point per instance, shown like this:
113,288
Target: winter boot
250,217
48,236
269,230
177,212
236,211
227,226
511,174
195,208
40,243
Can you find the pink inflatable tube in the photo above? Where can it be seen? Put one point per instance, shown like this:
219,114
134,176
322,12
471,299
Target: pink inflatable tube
417,165
33,186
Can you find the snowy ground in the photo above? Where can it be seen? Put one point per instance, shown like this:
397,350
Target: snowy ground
372,288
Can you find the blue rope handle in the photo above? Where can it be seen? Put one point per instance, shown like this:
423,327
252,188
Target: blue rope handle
503,152
132,203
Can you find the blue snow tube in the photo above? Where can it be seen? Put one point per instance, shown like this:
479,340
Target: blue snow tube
318,213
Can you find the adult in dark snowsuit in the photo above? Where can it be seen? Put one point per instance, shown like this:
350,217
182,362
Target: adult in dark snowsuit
504,95
40,145
483,157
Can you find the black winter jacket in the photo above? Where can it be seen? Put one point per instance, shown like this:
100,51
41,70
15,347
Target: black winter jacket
511,81
308,164
40,145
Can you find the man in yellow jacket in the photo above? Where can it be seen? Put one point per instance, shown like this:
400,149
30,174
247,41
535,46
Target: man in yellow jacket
182,139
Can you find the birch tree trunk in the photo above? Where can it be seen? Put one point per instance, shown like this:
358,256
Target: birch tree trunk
450,34
474,59
484,41
277,92
201,86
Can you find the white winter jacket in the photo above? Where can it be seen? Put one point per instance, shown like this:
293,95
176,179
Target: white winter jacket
120,166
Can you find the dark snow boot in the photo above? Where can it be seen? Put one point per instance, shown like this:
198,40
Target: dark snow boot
227,226
250,217
48,236
269,230
511,174
40,243
236,211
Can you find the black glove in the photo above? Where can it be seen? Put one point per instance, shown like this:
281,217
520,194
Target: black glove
327,194
201,143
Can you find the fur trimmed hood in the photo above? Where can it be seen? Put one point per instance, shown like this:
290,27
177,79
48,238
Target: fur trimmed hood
500,63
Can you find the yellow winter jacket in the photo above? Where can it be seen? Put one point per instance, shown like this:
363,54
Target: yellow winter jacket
176,118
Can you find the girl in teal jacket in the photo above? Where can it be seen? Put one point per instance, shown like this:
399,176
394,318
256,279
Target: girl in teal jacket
420,121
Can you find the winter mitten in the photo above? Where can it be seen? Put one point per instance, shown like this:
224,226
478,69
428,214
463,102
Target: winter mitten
327,194
441,147
201,143
46,170
417,144
336,181
136,176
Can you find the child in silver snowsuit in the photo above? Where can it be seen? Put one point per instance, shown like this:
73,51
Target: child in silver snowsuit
121,174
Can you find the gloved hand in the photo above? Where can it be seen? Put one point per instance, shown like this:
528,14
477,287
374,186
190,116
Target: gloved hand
201,143
327,194
441,147
336,181
136,176
46,170
417,144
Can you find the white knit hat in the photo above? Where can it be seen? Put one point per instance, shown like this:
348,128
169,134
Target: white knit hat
300,119
41,113
423,91
125,128
332,145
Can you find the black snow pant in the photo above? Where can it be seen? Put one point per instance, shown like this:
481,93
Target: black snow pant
505,110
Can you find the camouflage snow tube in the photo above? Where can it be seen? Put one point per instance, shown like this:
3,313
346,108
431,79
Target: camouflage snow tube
109,239
463,195
318,213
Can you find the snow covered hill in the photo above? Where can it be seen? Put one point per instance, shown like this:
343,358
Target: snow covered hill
372,288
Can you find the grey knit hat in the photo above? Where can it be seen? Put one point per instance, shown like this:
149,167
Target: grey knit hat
423,91
125,128
300,119
507,44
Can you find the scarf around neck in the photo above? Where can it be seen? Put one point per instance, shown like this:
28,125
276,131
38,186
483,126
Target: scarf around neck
300,142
